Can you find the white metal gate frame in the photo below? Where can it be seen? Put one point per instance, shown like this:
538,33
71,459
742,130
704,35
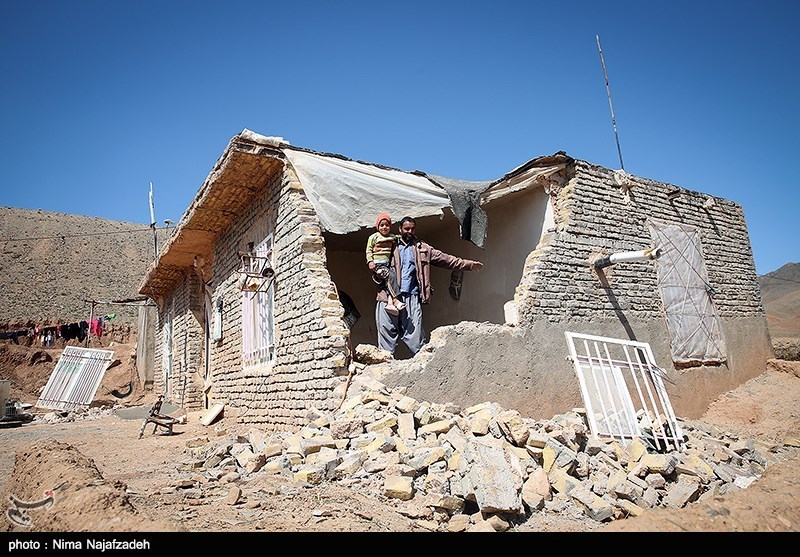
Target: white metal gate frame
607,374
75,378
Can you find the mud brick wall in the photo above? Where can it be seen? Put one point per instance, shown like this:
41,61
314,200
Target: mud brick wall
593,219
185,306
310,336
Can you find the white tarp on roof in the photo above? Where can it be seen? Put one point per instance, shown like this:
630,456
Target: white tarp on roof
348,195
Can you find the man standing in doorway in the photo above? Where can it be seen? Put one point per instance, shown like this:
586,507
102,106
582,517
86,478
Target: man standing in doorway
412,259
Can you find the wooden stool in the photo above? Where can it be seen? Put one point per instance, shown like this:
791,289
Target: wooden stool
158,419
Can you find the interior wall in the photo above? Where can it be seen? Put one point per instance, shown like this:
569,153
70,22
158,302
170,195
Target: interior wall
515,225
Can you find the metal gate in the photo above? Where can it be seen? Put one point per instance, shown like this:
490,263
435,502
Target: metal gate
75,378
613,373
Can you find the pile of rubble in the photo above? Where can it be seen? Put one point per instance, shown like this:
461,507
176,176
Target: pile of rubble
483,467
77,414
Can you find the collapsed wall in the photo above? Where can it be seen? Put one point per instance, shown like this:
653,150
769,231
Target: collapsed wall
523,365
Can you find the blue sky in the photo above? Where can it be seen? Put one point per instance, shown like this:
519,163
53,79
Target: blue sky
100,97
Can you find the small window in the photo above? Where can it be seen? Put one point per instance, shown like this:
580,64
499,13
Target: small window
258,313
692,319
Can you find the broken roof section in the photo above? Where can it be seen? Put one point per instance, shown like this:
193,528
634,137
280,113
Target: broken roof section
346,195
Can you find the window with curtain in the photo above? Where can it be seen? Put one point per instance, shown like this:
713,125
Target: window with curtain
258,319
692,320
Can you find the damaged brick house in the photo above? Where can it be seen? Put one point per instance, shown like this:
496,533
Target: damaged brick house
250,285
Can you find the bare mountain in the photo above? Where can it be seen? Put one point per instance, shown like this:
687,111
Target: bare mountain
51,263
780,292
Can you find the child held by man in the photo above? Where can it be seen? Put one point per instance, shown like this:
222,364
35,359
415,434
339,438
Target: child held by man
379,251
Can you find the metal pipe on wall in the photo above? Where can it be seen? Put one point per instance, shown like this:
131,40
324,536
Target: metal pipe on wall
642,255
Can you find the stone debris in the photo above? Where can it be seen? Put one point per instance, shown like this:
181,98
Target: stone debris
480,469
77,414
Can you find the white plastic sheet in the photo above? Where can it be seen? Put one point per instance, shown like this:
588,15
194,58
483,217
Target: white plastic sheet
692,319
348,195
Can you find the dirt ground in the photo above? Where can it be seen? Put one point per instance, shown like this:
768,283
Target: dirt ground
102,478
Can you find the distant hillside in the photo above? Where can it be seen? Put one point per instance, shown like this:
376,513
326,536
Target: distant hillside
780,292
44,280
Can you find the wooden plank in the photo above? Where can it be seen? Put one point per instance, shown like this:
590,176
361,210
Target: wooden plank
213,413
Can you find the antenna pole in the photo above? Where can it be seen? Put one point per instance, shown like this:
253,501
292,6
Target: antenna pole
153,223
610,105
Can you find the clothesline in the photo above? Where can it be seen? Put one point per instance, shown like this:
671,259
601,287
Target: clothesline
49,334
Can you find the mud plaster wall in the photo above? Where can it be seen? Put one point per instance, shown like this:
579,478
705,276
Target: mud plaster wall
311,347
525,367
184,307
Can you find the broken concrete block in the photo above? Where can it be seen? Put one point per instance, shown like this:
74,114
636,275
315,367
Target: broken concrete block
370,354
481,526
311,474
350,404
566,459
212,461
628,508
447,502
664,464
682,492
379,461
594,507
325,454
512,426
257,439
650,499
381,442
400,470
346,428
421,458
635,450
314,444
350,464
255,463
696,466
405,426
494,476
595,446
398,487
230,477
561,481
376,394
441,426
628,490
273,449
479,426
536,489
274,466
407,405
436,483
637,480
243,455
498,523
234,495
423,413
655,481
458,523
293,459
548,457
385,424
